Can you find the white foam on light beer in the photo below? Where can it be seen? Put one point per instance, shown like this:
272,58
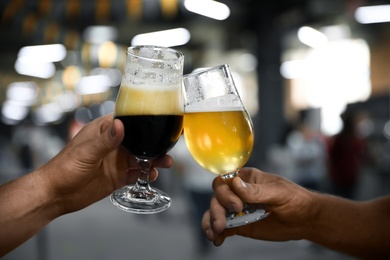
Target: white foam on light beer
154,99
216,104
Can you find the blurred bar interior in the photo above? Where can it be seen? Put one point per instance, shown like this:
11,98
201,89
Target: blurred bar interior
293,60
62,60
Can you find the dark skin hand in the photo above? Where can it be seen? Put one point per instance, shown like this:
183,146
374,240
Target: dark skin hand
285,221
355,228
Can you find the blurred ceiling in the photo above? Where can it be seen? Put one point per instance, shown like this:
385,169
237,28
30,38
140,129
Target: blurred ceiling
28,22
33,22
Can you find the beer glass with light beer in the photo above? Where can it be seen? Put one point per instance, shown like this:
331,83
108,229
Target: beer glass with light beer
150,105
218,130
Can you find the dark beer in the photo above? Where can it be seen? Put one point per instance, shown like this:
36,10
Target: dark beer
150,106
151,136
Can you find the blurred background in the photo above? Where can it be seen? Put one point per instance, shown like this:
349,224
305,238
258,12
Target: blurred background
307,71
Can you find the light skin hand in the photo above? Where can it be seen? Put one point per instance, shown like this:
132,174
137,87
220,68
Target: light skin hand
89,168
94,169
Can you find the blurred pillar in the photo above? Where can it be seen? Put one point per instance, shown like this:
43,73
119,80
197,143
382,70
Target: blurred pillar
269,123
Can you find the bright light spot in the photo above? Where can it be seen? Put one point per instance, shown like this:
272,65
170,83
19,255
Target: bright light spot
208,8
37,61
312,37
331,122
373,14
293,69
93,85
330,78
42,53
23,92
107,54
35,69
166,38
14,110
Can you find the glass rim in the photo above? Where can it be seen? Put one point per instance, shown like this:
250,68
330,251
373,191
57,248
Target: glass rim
179,55
205,70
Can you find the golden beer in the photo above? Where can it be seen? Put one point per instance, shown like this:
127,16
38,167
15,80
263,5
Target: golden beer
220,141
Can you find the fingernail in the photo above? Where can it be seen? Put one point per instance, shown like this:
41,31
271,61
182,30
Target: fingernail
244,185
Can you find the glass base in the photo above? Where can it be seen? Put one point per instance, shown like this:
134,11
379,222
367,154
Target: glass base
247,216
145,202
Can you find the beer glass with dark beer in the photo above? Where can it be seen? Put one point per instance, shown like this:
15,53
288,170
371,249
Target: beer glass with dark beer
218,130
150,105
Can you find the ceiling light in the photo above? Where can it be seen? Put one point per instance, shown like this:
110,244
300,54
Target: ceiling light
166,38
42,53
208,8
35,69
373,14
312,37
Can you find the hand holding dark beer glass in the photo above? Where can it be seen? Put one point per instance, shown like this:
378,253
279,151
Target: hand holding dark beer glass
150,105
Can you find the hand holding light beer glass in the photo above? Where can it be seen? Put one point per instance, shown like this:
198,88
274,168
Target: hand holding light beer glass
218,130
150,105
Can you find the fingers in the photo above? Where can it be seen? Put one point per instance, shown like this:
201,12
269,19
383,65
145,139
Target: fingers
214,222
165,161
270,189
226,196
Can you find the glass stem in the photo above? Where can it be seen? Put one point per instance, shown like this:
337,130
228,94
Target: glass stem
228,178
142,183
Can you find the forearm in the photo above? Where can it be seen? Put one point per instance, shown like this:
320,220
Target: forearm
361,229
26,206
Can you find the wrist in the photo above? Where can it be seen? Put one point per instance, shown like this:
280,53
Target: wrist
315,206
49,205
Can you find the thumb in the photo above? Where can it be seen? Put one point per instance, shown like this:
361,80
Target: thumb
106,137
112,133
247,192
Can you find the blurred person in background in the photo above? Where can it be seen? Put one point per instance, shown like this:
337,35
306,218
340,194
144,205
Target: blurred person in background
356,228
309,155
347,153
89,168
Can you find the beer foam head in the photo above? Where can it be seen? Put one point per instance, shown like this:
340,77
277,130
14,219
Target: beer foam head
151,100
229,102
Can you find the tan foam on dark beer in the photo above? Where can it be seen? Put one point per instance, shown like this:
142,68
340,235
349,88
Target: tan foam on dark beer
153,101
